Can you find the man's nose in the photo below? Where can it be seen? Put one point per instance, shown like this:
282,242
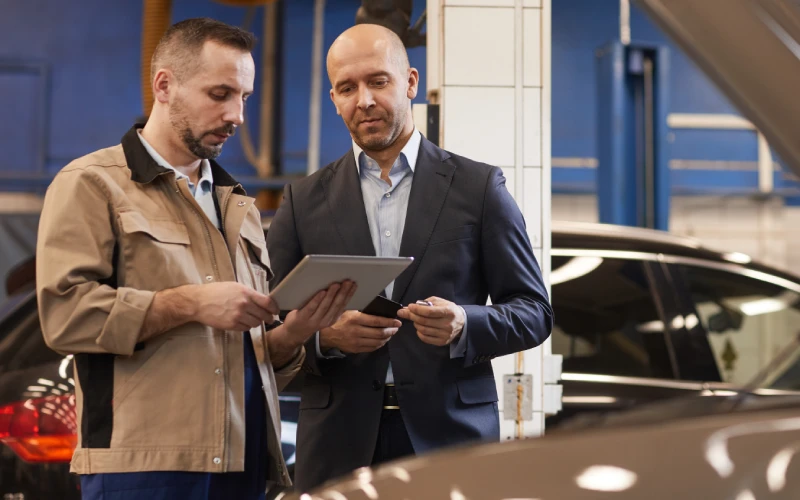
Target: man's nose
234,113
365,99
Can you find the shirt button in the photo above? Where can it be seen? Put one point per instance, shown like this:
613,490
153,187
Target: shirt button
209,278
388,233
217,460
218,371
242,203
388,195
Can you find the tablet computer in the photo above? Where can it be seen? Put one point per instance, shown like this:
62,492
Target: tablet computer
317,272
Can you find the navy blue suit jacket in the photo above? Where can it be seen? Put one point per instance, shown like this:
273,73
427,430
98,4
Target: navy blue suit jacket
469,242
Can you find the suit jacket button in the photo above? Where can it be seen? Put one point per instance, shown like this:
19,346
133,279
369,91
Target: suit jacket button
377,385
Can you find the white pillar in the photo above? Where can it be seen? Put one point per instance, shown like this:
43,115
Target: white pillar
488,66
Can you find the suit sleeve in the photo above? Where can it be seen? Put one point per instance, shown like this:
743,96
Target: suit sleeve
80,308
285,252
520,316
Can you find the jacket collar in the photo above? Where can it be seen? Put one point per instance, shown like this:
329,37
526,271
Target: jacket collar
144,168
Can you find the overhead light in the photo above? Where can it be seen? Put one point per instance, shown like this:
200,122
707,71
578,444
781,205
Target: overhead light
769,305
62,369
606,478
776,470
401,474
676,323
455,494
737,257
574,268
651,327
590,400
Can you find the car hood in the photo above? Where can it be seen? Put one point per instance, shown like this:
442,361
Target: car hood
750,49
739,455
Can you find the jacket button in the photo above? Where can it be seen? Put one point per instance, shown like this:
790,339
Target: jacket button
218,371
217,460
377,385
209,278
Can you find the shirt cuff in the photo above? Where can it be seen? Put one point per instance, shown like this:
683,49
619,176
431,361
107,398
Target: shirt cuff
332,353
459,348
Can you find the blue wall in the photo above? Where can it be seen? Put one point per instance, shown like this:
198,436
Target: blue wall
69,84
579,27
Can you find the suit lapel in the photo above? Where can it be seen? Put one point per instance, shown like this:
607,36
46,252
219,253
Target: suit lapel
346,204
432,178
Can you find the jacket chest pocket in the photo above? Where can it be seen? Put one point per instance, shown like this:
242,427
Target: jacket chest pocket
154,247
254,248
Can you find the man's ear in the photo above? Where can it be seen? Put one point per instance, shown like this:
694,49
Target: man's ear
334,104
413,83
162,84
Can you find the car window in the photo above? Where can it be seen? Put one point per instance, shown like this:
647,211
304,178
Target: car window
606,320
21,342
747,319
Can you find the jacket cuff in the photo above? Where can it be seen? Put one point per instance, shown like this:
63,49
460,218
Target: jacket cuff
479,325
293,366
459,347
123,327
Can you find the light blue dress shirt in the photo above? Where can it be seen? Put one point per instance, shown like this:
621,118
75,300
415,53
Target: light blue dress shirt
386,207
204,195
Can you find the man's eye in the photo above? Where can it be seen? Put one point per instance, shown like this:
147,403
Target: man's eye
380,83
219,97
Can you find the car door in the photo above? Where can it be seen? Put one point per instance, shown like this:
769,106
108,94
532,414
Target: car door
610,310
746,316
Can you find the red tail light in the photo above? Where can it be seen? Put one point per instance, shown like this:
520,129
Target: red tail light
40,430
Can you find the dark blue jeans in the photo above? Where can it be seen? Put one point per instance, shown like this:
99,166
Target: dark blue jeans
168,485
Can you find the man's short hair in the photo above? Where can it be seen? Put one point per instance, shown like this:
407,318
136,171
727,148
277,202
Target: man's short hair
182,42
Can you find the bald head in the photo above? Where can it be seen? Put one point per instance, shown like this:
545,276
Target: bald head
365,40
372,86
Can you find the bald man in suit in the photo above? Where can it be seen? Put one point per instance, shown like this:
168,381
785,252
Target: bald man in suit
375,388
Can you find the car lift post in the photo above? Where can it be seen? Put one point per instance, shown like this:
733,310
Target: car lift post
633,181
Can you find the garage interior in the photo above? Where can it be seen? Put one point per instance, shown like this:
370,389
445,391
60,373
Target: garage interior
661,200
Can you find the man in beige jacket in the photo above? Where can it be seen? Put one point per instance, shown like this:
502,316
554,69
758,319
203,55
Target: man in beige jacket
152,270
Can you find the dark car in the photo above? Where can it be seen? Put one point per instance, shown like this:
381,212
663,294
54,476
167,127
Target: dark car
641,316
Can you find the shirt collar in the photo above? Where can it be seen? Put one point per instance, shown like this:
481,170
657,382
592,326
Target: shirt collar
410,151
205,165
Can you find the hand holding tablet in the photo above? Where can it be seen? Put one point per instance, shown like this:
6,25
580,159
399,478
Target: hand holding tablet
317,272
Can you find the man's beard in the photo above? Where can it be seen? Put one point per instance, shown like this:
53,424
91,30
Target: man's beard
180,123
379,143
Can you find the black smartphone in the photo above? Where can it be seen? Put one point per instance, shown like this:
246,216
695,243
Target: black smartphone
381,306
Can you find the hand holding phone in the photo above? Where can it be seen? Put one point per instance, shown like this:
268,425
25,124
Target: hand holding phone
381,306
363,331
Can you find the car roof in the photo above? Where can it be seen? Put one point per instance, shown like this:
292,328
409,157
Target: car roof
596,236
